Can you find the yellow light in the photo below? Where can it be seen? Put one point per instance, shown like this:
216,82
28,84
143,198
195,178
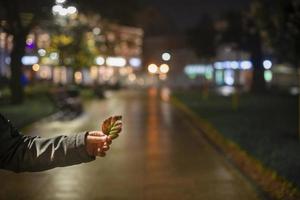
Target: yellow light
164,68
44,74
116,61
78,77
132,77
152,68
36,67
163,77
94,72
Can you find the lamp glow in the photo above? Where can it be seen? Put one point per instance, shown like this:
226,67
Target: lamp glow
267,64
100,60
166,56
36,67
164,68
152,68
116,61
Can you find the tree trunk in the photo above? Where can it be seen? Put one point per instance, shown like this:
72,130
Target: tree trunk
298,104
18,51
258,81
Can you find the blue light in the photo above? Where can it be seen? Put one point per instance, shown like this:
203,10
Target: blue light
267,64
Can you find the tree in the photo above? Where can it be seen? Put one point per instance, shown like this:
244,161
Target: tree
280,27
202,38
280,24
74,44
21,18
241,30
119,11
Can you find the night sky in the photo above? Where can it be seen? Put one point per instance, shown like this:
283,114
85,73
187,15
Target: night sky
186,13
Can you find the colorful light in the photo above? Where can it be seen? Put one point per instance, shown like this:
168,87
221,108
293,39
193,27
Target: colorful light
29,60
42,52
268,75
116,61
152,68
36,67
267,64
135,62
164,68
96,30
100,60
166,56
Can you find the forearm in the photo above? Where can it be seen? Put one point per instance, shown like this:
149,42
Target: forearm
38,154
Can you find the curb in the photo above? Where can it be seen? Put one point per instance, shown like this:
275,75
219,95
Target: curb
267,179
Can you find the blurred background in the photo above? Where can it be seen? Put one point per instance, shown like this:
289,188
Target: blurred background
208,89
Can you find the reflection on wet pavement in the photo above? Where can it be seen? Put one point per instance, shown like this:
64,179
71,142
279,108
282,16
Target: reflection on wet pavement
160,155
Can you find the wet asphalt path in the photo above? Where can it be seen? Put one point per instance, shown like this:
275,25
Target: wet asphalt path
160,155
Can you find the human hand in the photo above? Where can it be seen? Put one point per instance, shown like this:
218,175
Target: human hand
97,143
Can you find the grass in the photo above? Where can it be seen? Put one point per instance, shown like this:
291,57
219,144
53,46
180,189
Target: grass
265,126
36,106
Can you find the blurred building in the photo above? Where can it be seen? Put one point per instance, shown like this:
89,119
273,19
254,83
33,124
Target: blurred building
116,53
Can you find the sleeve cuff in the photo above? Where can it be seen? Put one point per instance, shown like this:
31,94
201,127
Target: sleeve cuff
81,147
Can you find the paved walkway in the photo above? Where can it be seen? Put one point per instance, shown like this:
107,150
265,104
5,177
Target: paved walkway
159,156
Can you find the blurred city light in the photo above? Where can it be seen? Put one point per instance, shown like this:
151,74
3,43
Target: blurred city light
132,77
197,69
229,77
63,12
60,1
100,60
152,68
166,56
164,68
246,65
96,31
71,10
7,60
42,52
78,77
45,72
268,75
219,77
29,41
94,72
60,10
226,90
267,64
135,62
30,60
36,67
116,61
234,65
163,77
56,9
54,56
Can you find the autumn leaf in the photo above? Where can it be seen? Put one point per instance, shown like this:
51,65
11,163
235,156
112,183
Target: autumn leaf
112,126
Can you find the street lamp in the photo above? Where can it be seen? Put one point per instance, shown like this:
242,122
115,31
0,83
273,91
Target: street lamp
60,1
166,56
164,68
152,68
71,10
60,10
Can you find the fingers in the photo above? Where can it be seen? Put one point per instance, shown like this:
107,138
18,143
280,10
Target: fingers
96,133
100,152
109,140
97,139
98,143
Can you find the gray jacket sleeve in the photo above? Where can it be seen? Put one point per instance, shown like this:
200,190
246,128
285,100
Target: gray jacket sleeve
21,153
